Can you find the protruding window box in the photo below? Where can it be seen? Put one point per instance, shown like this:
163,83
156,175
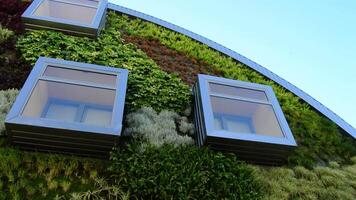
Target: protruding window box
76,17
243,118
70,107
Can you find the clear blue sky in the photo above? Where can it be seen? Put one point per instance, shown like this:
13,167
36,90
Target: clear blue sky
312,44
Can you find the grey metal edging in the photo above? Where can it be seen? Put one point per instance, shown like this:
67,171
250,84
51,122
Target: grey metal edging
264,71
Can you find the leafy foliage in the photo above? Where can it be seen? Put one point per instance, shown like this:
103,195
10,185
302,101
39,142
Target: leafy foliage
184,172
170,60
318,138
10,14
148,85
5,34
103,191
7,98
25,175
157,129
331,182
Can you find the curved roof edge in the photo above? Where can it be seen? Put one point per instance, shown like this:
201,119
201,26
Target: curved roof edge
264,71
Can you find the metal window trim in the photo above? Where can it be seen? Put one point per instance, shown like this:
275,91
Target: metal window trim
15,114
205,80
351,131
100,11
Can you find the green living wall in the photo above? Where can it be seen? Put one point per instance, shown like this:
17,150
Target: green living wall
170,170
319,139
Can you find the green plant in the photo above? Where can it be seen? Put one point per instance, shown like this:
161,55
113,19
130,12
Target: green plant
148,85
5,34
10,14
7,98
28,175
183,172
318,138
330,182
156,129
103,191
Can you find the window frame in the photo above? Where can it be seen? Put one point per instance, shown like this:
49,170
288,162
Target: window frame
205,93
66,25
15,114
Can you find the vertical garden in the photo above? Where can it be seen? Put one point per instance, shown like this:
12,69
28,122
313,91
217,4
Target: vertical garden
160,160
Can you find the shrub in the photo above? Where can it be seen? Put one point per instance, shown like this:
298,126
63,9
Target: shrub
148,85
103,191
156,129
10,14
13,72
5,34
318,138
7,98
183,172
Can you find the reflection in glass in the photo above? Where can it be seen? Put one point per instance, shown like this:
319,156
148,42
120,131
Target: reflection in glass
245,117
238,91
82,11
63,112
66,102
97,116
79,75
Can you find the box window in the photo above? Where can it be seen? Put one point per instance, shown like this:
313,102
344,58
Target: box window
70,107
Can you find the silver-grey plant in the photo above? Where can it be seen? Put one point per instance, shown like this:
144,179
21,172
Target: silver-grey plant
7,98
159,128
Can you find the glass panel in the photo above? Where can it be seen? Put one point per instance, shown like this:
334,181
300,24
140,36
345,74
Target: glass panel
78,75
218,123
238,125
46,92
69,11
63,112
93,3
238,91
246,117
97,116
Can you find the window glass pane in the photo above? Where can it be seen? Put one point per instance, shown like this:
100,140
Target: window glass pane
246,117
97,116
238,91
93,3
218,123
63,112
78,75
46,91
69,11
238,125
